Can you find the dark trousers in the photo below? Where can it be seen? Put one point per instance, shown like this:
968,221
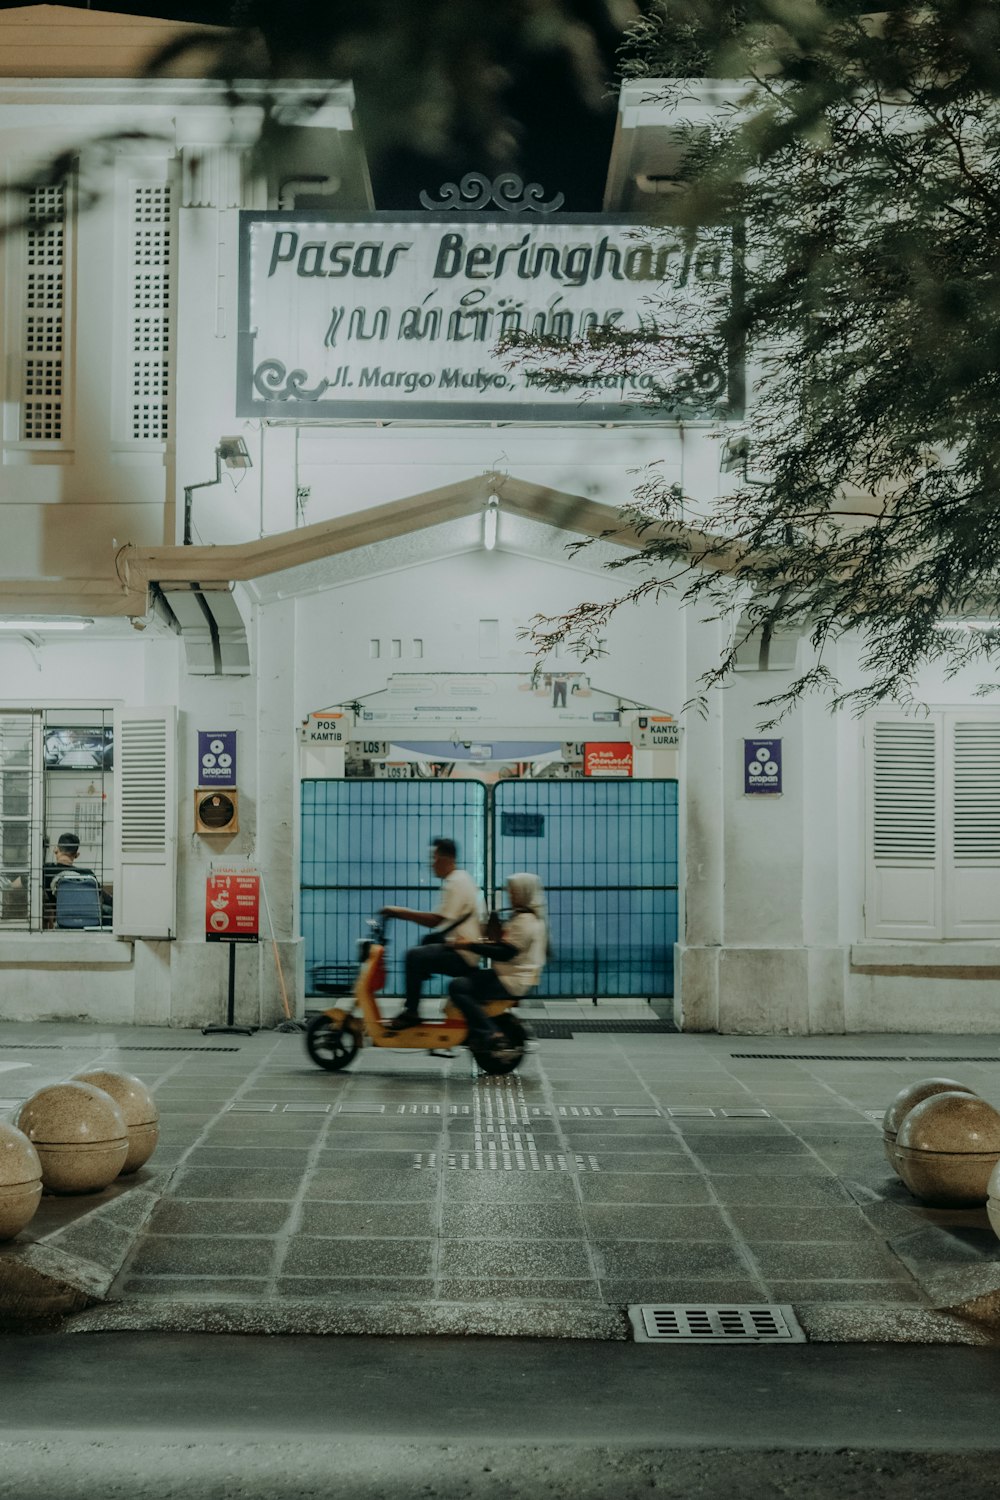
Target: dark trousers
469,994
422,962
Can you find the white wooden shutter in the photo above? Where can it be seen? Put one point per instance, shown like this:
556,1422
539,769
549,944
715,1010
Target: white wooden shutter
145,900
972,855
903,897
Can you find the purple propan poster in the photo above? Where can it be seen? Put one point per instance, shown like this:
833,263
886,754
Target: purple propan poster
216,757
761,767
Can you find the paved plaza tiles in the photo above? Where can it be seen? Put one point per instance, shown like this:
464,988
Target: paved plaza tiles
612,1169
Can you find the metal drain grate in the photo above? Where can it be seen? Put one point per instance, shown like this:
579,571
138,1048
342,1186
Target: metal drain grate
99,1047
562,1031
32,1047
648,1028
173,1049
854,1057
721,1323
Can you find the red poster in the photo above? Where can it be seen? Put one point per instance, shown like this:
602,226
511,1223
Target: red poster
607,758
232,906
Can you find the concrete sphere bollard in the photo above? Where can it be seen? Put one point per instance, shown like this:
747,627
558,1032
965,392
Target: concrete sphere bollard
993,1199
20,1181
907,1099
138,1109
946,1149
80,1136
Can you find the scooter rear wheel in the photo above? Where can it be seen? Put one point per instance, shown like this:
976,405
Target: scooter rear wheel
515,1038
331,1047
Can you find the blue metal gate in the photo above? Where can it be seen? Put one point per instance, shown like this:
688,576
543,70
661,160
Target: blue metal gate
366,844
606,852
607,855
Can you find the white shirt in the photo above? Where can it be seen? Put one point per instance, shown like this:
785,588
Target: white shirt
520,974
461,898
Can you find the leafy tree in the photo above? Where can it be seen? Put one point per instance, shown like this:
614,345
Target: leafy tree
864,172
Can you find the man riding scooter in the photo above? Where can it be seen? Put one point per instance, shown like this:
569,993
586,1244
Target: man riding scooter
458,917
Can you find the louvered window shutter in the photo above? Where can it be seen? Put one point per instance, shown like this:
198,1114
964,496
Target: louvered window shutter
904,821
972,856
146,822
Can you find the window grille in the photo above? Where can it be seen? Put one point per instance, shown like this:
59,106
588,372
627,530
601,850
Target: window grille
20,822
149,346
57,768
43,317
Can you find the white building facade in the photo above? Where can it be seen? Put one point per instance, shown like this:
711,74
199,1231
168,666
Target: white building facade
336,553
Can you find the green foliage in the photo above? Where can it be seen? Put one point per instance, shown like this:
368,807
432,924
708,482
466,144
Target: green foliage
866,175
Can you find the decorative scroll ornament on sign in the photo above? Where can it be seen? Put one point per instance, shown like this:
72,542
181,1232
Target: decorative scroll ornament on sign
272,379
508,192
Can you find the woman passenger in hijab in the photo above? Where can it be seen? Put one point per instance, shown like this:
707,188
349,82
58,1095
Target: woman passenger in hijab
517,959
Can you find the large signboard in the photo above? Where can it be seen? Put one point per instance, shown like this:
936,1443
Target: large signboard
398,318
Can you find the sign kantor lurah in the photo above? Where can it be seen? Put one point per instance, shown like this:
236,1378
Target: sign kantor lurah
651,731
389,317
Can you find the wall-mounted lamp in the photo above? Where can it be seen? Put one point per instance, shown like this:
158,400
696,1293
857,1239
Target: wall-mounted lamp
234,453
735,455
491,515
231,451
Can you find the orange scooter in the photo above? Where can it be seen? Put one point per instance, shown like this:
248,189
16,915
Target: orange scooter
333,1038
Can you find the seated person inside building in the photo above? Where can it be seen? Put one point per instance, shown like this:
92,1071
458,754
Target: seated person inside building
65,854
517,958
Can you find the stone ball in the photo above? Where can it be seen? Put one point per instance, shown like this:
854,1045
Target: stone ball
20,1181
907,1098
993,1199
18,1158
138,1108
130,1094
947,1147
80,1135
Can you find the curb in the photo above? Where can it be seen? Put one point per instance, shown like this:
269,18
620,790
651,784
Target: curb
72,1267
533,1320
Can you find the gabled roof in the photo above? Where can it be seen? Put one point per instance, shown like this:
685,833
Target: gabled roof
61,41
374,539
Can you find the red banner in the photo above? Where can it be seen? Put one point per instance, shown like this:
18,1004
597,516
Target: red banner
232,907
607,758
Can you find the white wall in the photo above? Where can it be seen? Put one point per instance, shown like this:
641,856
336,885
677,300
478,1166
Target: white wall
442,605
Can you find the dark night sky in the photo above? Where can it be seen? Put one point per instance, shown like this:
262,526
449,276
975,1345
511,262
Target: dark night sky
565,146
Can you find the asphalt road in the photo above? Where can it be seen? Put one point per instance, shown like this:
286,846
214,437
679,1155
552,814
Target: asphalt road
213,1418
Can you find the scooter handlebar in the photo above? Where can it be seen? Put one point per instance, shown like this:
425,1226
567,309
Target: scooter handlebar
376,934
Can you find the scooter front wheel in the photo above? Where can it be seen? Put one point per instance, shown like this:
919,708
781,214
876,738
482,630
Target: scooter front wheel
330,1046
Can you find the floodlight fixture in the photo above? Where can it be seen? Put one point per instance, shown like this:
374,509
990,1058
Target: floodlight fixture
45,623
491,515
231,451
